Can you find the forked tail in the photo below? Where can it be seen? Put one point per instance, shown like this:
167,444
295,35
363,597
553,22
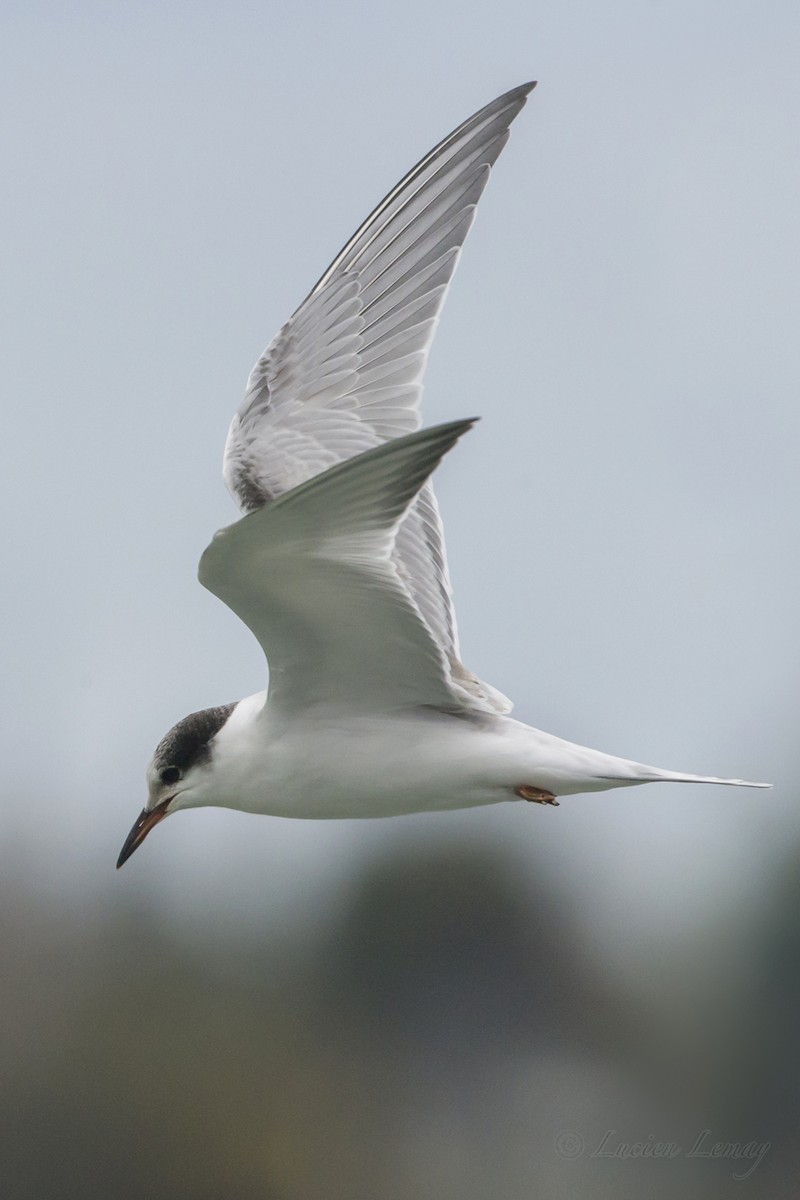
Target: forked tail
656,775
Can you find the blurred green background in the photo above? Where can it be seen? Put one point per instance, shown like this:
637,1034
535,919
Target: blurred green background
461,1006
444,1028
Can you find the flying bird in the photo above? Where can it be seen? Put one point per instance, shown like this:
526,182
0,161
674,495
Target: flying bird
338,565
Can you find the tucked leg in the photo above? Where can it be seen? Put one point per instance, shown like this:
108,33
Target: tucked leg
536,795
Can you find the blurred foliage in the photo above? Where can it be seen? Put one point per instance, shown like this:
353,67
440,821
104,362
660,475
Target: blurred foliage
436,1037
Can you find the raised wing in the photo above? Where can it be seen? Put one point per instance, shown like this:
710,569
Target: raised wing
312,576
345,372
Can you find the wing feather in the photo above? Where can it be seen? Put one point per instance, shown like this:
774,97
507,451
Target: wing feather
313,577
344,374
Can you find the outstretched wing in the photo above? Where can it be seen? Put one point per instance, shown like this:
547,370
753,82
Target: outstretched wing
312,576
345,372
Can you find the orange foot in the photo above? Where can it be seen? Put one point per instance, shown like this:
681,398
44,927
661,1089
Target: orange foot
536,795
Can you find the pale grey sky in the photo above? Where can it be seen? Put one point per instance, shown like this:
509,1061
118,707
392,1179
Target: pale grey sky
622,525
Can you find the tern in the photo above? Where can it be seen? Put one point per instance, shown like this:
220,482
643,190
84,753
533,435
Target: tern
338,566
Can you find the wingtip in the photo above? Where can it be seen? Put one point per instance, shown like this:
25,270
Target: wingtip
459,428
459,423
517,95
523,89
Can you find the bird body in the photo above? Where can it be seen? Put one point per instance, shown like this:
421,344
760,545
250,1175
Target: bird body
333,765
338,565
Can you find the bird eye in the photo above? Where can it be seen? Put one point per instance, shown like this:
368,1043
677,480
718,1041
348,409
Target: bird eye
170,775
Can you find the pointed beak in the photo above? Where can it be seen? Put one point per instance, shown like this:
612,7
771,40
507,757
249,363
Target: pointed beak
144,823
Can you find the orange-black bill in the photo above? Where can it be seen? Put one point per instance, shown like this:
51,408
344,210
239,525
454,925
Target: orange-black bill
144,823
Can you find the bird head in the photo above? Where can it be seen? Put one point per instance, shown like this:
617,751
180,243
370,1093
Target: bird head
177,775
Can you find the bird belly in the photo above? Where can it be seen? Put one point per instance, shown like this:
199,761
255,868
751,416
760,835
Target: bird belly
374,767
